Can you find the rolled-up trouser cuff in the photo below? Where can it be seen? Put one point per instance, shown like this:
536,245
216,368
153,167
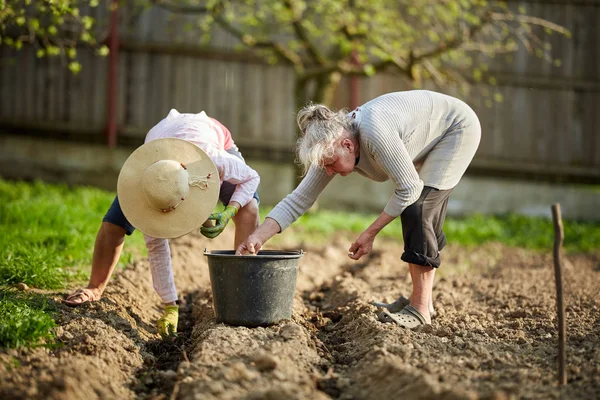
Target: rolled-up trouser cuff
421,259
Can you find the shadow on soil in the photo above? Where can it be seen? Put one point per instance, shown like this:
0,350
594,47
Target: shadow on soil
159,375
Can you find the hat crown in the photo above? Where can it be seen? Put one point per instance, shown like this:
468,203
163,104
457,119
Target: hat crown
165,184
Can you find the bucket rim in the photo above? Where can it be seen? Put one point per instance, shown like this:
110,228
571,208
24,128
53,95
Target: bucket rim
268,254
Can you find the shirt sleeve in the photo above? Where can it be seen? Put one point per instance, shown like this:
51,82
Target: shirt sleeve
226,134
389,151
159,256
302,198
233,170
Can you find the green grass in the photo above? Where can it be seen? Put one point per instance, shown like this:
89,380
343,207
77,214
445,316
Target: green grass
519,231
513,230
47,233
25,320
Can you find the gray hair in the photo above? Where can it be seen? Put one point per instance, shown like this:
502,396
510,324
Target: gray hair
320,128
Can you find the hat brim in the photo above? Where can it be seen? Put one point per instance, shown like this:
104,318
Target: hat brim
191,213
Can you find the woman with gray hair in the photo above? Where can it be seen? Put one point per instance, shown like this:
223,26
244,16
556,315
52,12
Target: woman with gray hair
423,141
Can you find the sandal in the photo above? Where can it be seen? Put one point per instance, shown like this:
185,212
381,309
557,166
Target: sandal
409,317
81,296
398,305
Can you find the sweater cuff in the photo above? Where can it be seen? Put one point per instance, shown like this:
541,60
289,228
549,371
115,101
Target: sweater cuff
396,204
393,209
283,218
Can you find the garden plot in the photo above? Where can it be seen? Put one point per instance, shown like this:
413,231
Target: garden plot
494,335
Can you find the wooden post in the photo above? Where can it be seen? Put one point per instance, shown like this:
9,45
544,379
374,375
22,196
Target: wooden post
562,327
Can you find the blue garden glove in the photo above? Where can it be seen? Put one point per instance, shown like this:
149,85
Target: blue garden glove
221,219
167,324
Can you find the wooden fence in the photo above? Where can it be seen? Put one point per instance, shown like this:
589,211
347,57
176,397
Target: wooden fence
546,126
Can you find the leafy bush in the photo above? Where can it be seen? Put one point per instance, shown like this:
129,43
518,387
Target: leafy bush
24,321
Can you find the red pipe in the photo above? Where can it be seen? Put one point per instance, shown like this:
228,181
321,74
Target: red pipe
113,59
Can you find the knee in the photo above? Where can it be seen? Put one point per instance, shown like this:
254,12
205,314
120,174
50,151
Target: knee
248,214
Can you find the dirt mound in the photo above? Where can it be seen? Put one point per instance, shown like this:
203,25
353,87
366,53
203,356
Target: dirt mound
494,336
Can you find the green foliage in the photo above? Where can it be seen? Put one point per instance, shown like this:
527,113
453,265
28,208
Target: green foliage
24,321
423,39
53,27
534,233
47,233
521,231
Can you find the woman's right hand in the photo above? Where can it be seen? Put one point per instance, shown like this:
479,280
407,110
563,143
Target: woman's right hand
255,241
250,246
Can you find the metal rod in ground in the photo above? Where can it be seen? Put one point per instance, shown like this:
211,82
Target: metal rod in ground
558,272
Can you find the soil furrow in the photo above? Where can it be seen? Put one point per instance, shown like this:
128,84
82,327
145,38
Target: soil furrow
494,336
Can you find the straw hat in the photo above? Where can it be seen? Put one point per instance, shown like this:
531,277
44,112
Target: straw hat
168,187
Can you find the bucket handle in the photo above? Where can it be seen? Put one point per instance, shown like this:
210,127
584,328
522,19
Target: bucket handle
206,251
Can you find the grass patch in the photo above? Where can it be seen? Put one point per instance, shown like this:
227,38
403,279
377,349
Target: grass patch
47,233
25,320
534,233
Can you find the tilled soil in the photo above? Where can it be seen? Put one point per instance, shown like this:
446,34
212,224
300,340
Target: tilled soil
494,336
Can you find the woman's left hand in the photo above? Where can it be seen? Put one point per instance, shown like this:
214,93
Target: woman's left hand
362,246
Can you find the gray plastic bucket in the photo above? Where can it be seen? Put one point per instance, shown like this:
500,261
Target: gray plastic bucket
253,290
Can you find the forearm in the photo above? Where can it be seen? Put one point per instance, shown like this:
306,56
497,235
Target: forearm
364,244
267,230
379,224
301,199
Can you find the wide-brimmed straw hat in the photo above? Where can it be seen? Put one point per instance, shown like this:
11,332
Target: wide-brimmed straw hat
168,188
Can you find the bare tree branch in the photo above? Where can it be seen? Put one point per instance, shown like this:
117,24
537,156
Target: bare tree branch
349,69
252,42
434,72
527,19
455,43
301,33
489,48
179,8
526,42
398,62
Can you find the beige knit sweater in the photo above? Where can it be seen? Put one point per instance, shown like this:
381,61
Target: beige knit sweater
396,132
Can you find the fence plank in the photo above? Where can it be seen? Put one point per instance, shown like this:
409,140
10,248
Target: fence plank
550,113
9,82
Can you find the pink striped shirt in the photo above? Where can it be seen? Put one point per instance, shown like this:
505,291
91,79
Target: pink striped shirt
214,138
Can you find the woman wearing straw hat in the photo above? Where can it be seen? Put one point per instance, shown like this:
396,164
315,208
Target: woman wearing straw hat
167,188
387,138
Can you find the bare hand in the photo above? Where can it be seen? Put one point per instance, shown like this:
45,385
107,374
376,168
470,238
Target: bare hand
255,241
250,246
362,246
